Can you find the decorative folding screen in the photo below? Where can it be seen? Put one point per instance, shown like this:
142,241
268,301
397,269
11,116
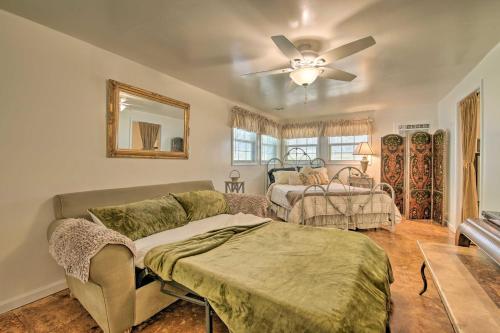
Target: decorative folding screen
392,167
439,164
419,180
420,176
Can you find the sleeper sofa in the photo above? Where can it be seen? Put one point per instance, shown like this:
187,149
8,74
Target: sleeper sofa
110,295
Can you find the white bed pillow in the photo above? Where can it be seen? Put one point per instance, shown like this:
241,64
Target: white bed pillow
282,177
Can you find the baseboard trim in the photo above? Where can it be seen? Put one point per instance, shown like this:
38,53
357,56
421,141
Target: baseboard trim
32,296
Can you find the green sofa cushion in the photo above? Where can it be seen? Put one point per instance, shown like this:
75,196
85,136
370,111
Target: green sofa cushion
202,204
143,218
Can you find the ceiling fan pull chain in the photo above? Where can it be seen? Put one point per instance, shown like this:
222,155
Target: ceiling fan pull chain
305,97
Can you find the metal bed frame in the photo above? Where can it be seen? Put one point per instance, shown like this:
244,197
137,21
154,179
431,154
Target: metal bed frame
295,157
179,291
300,158
337,178
195,299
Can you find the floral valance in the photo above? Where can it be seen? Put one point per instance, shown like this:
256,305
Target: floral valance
257,123
254,122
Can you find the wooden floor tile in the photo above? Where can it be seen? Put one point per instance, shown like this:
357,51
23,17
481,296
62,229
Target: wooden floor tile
9,323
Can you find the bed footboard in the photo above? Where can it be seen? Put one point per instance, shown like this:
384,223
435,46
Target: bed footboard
349,208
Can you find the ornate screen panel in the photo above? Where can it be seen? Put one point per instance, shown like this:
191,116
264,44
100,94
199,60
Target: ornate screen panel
439,167
392,170
420,176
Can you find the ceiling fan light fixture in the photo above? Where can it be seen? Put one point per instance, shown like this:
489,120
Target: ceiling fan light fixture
305,76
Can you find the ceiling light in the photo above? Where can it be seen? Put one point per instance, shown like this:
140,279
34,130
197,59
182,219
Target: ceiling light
305,76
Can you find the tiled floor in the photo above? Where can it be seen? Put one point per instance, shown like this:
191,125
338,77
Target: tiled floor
411,312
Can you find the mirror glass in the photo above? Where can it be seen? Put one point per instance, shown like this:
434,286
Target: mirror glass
146,124
149,125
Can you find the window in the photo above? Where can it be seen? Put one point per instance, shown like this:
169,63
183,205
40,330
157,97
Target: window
309,145
269,147
244,146
341,148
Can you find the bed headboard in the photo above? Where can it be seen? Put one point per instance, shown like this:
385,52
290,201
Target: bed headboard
294,158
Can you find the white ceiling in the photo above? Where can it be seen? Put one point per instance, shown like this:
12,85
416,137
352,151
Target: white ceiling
138,103
424,47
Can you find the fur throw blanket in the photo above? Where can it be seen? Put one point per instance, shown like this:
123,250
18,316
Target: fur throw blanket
247,203
75,241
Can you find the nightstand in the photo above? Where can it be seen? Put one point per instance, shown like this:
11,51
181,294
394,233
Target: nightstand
235,187
360,181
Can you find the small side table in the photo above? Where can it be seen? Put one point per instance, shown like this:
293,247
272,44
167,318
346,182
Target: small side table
235,187
360,181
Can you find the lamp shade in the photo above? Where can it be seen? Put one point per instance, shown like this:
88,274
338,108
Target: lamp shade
304,76
363,149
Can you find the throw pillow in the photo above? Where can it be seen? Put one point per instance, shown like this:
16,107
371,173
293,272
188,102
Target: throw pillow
306,170
202,204
143,218
314,176
294,179
323,174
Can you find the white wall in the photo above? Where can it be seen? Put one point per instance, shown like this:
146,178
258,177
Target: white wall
486,77
53,135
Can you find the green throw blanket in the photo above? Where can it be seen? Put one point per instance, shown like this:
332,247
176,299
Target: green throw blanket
277,277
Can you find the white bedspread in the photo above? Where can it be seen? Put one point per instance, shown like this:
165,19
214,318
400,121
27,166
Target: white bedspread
191,229
361,210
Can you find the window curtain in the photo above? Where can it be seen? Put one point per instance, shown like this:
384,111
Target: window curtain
254,122
348,127
302,130
337,127
469,114
149,133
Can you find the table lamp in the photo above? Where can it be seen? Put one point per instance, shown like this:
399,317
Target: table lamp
363,149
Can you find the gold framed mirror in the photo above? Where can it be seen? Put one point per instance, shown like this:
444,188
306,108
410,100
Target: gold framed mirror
144,124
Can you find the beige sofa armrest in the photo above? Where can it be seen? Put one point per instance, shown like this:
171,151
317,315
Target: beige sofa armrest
109,296
52,227
113,270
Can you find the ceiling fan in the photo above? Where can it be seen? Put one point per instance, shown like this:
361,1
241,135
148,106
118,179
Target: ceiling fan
306,65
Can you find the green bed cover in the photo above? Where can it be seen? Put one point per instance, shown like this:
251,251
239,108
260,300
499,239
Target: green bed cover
277,277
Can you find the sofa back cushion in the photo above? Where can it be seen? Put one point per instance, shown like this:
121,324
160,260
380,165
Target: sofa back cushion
202,204
143,218
76,204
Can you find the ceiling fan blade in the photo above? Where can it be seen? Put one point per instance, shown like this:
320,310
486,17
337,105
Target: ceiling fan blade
346,50
287,47
269,72
336,74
